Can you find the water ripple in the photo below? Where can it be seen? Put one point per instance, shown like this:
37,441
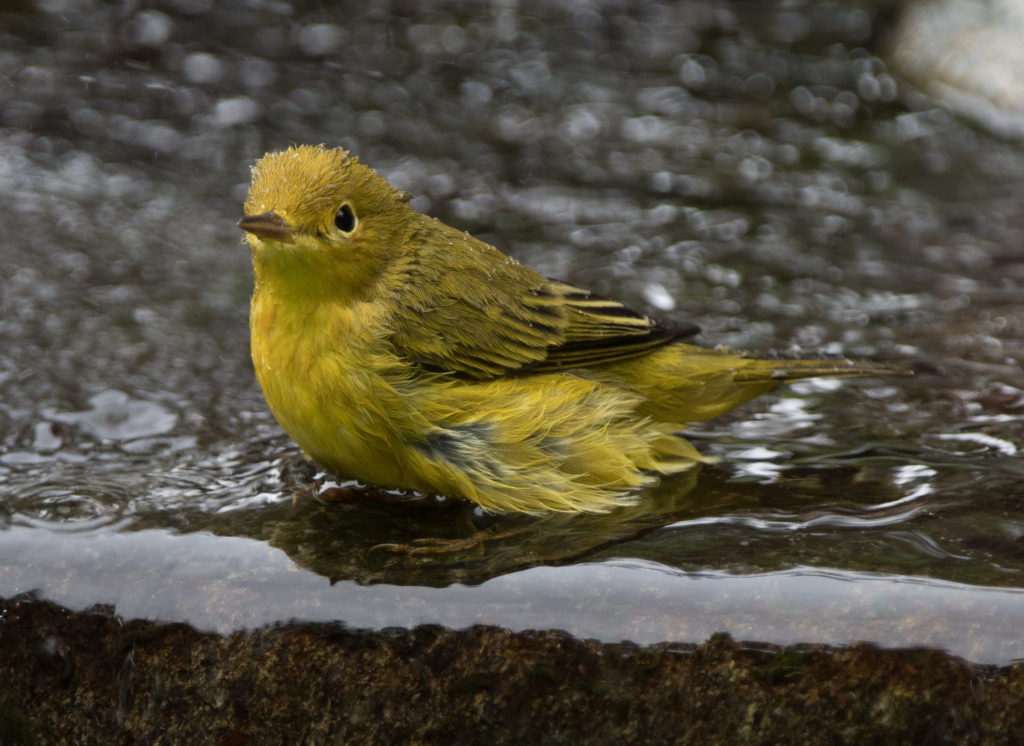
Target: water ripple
924,544
85,507
779,525
1001,445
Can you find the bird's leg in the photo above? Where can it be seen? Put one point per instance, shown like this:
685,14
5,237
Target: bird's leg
435,545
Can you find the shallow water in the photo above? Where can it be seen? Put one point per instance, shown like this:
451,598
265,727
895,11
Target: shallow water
758,169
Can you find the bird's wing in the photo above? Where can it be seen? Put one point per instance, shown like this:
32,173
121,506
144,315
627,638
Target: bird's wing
602,330
471,311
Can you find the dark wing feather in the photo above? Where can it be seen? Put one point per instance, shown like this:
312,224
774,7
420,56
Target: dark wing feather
602,331
464,308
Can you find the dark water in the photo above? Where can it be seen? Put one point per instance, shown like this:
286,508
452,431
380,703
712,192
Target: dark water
755,167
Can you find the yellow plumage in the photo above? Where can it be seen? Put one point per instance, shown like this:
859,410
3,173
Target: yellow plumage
398,350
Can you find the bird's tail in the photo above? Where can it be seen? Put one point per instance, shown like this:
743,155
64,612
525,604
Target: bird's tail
686,383
787,368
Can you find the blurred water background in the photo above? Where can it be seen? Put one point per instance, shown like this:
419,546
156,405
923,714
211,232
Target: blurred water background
837,176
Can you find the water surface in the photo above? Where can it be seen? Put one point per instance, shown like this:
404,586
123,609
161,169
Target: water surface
757,168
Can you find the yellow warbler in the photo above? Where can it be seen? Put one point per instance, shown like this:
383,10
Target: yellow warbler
403,352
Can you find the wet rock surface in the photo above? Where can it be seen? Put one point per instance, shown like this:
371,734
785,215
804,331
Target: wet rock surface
93,678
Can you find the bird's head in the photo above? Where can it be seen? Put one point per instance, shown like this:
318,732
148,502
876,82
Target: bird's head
316,215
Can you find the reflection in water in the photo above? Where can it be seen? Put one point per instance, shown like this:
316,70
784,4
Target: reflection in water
339,541
228,583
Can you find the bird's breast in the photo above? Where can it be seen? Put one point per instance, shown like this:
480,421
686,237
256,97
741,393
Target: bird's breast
329,381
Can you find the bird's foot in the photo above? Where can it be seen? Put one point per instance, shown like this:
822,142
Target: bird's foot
433,545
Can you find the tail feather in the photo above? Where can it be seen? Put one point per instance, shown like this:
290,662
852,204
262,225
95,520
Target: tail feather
791,369
686,383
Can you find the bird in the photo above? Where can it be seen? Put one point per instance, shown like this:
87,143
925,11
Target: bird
405,353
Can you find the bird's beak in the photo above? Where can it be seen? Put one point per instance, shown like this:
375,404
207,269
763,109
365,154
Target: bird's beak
266,225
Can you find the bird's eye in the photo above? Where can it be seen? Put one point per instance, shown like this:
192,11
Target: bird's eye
345,220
